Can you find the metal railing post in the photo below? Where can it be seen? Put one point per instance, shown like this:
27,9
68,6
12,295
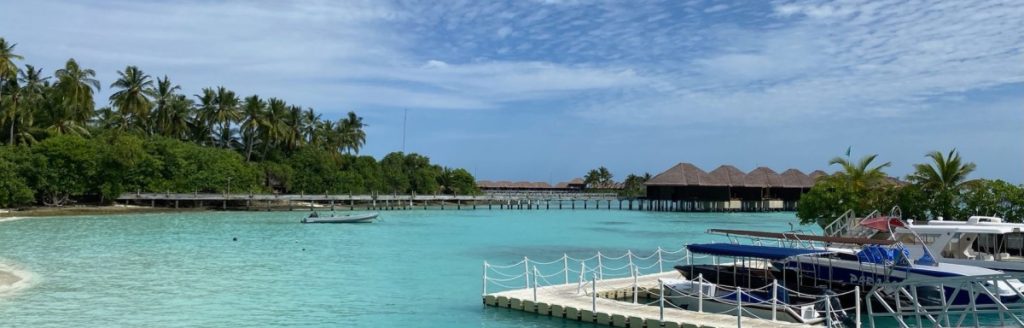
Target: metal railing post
775,298
565,267
535,274
661,300
484,292
739,308
700,293
661,265
635,286
526,270
600,266
828,312
856,309
593,294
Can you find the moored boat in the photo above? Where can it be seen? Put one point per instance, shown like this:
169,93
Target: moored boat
350,218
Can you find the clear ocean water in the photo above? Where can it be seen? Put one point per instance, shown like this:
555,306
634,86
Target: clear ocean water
412,268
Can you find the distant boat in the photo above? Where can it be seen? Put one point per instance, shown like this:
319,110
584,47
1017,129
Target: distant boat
351,218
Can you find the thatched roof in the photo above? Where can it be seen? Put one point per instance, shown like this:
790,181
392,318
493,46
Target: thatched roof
817,174
762,177
793,178
727,175
686,174
683,174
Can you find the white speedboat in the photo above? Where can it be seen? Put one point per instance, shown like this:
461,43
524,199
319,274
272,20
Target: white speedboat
350,218
982,241
865,263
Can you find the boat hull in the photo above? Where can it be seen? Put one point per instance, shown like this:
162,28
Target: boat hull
682,294
359,218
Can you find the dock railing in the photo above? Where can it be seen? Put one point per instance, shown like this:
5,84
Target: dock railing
587,274
580,271
978,301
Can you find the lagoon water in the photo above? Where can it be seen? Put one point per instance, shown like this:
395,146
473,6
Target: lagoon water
412,268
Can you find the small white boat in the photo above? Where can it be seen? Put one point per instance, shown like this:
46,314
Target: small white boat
350,218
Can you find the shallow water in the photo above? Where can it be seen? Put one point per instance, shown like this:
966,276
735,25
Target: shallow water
414,268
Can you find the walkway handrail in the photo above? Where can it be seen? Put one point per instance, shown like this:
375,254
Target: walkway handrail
574,270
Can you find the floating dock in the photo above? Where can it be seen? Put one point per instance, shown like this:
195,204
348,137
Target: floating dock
612,305
620,291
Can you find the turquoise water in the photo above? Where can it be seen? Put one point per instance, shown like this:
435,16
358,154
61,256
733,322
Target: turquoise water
415,268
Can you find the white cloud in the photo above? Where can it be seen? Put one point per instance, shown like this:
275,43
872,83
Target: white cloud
716,8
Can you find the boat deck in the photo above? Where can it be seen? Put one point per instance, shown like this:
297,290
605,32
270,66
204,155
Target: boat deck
563,301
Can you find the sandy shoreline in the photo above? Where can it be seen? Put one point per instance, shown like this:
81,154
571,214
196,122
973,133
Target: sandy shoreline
87,210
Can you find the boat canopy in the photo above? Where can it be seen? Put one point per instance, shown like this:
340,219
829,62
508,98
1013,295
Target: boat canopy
883,223
754,251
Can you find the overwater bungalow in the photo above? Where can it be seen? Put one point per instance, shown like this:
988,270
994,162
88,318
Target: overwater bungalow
729,189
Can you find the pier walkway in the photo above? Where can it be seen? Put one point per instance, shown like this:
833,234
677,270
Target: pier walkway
382,202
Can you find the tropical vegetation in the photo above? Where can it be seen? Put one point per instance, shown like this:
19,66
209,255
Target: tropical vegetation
938,188
56,146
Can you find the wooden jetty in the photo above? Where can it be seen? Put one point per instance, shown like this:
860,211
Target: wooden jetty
382,202
602,305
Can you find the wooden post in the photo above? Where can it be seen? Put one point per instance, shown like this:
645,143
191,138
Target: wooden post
332,204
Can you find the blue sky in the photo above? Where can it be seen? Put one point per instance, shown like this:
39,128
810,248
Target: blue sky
544,90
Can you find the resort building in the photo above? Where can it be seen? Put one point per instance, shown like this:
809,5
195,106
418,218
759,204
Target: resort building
686,187
575,185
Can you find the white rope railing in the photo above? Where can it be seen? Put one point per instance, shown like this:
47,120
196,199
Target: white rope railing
601,265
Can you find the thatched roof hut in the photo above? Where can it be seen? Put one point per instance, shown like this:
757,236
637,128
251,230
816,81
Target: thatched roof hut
817,174
793,178
727,175
682,174
762,177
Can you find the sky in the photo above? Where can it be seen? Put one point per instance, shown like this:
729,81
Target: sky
544,90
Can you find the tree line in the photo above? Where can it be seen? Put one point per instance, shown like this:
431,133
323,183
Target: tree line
57,146
602,179
938,188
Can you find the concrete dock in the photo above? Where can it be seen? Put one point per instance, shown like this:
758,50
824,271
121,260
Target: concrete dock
564,301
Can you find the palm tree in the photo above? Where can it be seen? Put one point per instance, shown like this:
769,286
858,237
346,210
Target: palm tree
33,93
163,95
944,178
227,113
75,87
13,106
254,117
273,133
179,113
202,125
8,71
294,127
131,99
352,135
860,175
311,122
